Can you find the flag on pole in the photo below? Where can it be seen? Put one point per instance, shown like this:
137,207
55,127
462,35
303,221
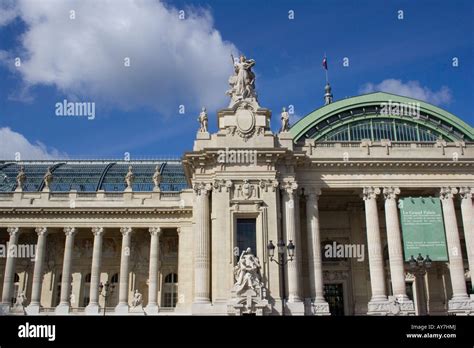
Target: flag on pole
325,63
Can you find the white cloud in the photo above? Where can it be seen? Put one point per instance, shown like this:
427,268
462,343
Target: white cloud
411,89
8,11
172,61
13,144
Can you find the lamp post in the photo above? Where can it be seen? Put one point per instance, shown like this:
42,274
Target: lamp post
106,290
282,262
419,267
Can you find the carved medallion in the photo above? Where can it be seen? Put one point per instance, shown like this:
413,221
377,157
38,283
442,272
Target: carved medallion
245,120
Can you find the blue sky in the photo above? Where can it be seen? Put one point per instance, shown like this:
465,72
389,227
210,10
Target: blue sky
187,62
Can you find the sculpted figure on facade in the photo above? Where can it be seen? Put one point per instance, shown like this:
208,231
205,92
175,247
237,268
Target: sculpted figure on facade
285,121
48,179
137,299
203,120
20,299
242,83
129,178
247,273
157,178
20,178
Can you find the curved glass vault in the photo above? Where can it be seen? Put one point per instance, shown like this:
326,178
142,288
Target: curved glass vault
91,176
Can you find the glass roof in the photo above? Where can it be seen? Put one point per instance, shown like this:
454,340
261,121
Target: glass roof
90,176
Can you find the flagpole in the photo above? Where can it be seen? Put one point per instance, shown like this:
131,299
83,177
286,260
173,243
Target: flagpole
325,57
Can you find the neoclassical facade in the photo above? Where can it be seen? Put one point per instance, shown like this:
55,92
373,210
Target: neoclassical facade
171,237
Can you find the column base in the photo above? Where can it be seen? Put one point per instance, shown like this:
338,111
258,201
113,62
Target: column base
152,309
62,309
401,305
33,309
294,308
461,306
202,308
378,307
4,308
92,309
122,308
317,307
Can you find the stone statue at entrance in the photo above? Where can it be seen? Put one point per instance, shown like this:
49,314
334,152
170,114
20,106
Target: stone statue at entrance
20,299
137,299
247,273
242,83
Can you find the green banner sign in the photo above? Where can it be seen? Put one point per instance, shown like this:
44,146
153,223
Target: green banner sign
423,228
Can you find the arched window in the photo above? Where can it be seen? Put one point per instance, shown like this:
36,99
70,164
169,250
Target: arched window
86,292
16,288
171,278
114,278
170,290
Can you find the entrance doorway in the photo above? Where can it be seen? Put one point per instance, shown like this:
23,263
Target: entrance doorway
334,295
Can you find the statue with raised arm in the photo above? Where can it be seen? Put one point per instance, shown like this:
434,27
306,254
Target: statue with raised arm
242,83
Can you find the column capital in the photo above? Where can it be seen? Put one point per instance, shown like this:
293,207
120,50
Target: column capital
391,192
70,231
370,192
202,188
41,231
13,230
290,188
126,231
447,192
155,231
178,230
312,192
98,231
466,192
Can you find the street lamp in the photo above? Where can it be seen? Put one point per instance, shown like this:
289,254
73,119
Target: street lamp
419,266
281,262
106,290
281,252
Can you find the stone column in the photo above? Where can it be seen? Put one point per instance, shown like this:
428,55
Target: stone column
378,304
291,234
63,307
93,306
9,277
460,300
202,247
35,305
467,210
320,306
152,306
395,251
122,306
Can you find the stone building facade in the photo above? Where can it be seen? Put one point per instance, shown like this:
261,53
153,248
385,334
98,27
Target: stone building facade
168,237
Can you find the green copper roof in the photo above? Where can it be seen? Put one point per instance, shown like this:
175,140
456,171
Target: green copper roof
329,118
91,176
